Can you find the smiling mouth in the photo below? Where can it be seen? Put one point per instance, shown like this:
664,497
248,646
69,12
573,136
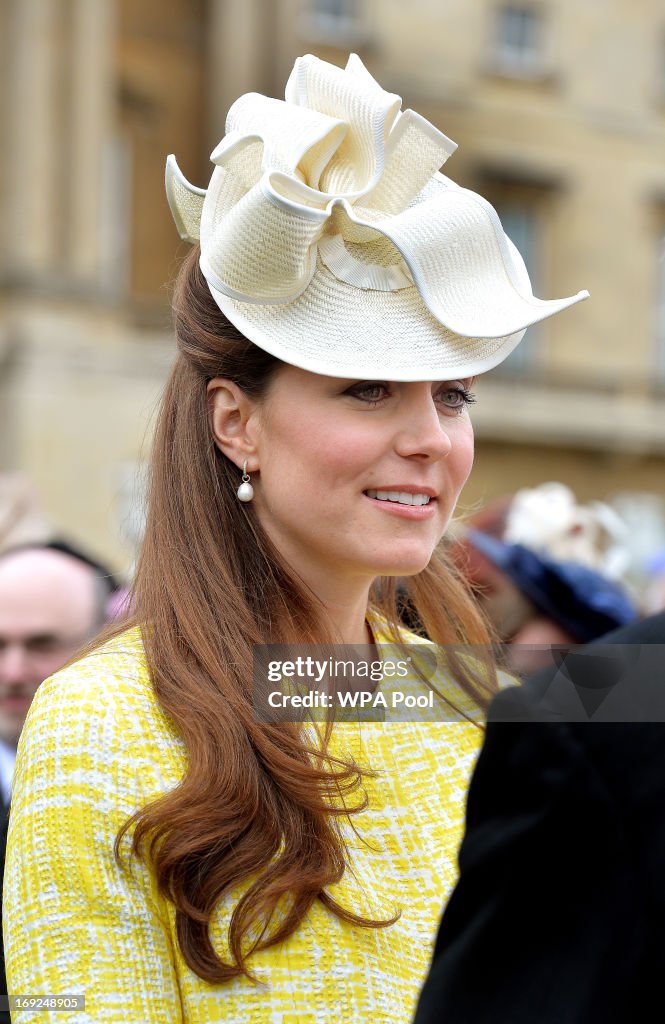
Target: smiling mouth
401,497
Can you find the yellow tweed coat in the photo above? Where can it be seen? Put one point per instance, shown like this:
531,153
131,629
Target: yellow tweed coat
96,746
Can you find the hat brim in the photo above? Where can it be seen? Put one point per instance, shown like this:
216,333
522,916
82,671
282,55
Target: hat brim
337,330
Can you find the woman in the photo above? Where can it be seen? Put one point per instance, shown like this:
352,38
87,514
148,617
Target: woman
313,440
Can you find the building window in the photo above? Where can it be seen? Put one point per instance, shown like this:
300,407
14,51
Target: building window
521,224
660,70
335,10
660,313
335,22
518,45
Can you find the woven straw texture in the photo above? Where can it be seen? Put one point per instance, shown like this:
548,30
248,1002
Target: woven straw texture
327,227
94,749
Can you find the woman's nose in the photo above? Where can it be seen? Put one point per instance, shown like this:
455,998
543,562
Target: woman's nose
423,432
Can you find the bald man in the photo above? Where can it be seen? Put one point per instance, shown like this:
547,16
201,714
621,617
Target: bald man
51,602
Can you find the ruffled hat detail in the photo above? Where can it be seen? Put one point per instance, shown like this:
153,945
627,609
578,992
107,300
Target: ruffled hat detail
329,237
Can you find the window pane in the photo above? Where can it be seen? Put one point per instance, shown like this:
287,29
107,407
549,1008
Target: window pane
521,225
660,313
513,29
518,32
334,8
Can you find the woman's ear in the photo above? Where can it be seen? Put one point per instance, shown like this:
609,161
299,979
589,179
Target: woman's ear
233,421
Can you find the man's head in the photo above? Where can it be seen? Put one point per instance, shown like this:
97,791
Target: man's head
51,603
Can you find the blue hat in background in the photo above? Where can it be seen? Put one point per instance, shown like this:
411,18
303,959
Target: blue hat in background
580,600
656,564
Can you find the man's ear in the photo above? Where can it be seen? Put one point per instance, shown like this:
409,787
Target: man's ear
233,421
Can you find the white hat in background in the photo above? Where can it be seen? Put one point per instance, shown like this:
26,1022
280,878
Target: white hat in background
548,519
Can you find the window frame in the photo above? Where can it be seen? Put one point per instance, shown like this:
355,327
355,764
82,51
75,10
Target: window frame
659,312
528,60
536,196
344,28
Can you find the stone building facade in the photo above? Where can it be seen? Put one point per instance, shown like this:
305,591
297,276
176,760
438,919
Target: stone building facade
559,112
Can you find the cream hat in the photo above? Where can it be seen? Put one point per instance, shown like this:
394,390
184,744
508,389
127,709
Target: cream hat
330,239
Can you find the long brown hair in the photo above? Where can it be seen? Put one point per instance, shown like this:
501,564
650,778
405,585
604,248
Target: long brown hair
257,805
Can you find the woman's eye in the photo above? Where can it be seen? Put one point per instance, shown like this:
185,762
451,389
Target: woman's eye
368,391
456,398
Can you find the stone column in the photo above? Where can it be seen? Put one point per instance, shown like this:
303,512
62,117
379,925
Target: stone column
32,123
57,123
89,156
240,57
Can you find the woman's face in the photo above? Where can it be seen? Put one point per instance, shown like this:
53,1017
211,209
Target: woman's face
359,478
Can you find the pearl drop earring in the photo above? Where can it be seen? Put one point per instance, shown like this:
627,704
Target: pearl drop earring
245,491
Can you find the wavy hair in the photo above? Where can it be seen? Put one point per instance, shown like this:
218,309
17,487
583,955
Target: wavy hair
259,804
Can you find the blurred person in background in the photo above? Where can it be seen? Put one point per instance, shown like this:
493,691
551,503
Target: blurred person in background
654,595
549,519
313,440
558,916
535,601
53,600
547,571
